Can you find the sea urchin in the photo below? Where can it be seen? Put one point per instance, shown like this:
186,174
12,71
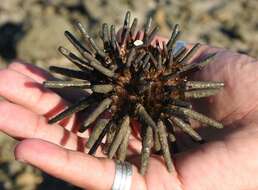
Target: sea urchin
133,79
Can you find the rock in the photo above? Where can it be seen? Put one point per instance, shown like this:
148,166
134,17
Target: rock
44,37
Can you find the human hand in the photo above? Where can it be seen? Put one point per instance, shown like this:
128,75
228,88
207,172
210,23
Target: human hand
227,161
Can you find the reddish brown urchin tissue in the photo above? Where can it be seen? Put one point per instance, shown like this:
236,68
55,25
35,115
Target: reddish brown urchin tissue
134,80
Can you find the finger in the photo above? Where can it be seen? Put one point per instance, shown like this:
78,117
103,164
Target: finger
35,73
77,168
40,75
26,92
21,123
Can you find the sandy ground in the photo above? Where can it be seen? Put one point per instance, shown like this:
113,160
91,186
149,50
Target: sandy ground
33,29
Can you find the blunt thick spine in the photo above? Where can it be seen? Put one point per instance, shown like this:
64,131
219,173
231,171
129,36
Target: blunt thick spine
179,53
156,143
63,84
80,63
76,43
147,30
152,35
130,58
97,130
133,27
103,105
102,88
164,145
198,65
85,36
98,66
173,37
200,117
122,150
119,136
200,93
110,136
113,38
106,38
98,142
190,85
186,128
147,143
144,116
189,54
178,102
74,108
125,29
190,67
84,75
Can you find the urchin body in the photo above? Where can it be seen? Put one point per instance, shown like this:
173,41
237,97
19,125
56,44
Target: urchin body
135,80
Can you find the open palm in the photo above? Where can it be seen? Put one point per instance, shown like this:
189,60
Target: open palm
228,161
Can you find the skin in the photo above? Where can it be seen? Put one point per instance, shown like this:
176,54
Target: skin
229,160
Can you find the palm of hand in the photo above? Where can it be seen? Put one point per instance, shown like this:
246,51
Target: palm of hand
228,161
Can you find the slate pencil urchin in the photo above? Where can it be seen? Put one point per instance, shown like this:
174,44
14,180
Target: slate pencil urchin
135,80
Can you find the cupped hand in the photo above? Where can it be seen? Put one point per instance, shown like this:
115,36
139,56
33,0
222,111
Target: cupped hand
229,160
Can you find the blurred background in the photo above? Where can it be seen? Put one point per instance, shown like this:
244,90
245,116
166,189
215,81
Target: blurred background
32,30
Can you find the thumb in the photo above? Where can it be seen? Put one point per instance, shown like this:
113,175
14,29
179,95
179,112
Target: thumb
220,165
